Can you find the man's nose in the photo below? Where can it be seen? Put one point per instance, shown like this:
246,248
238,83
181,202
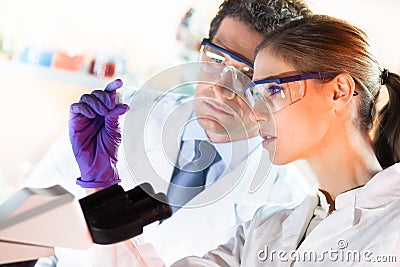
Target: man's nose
261,111
225,86
223,92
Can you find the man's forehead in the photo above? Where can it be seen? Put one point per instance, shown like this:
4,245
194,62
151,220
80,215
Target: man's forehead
236,37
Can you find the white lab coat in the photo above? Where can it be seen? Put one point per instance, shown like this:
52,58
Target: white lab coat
190,231
365,232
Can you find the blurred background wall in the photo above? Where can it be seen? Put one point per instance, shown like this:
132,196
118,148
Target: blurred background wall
48,49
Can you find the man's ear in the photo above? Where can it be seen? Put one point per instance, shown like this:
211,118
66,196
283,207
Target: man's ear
342,90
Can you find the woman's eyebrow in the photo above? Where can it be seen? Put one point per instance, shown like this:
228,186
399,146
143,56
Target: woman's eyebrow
274,77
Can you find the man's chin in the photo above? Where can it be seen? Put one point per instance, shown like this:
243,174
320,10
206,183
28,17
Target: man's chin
224,134
212,125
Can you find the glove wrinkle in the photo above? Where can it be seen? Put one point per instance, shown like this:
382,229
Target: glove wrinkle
95,136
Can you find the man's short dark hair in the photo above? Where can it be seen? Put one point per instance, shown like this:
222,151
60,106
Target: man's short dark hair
261,16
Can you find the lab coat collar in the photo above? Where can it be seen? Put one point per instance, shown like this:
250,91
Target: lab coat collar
323,202
304,212
342,200
159,148
382,190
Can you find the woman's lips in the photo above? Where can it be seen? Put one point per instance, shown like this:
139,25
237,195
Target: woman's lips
217,109
268,138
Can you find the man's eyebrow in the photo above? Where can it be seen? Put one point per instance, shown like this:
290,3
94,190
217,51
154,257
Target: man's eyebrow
216,39
222,44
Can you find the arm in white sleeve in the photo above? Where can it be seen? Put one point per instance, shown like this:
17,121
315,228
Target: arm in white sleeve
228,255
58,166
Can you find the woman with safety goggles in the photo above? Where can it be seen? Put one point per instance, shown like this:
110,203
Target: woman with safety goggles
315,95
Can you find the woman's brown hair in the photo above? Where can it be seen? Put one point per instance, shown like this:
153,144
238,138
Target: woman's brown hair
320,43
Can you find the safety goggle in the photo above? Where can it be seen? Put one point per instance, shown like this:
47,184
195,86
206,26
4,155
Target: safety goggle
224,67
281,92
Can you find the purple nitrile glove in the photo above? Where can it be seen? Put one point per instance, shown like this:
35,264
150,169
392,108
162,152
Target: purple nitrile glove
95,136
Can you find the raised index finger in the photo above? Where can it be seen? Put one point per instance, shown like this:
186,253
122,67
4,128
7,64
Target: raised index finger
114,85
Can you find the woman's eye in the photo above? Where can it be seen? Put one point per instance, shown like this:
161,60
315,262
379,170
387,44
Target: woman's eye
274,89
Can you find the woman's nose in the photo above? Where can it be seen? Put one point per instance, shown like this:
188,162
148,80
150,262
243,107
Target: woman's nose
261,111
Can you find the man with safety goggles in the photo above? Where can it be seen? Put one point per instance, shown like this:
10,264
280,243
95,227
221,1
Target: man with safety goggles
221,109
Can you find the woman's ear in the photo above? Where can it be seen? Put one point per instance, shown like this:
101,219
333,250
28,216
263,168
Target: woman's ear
342,90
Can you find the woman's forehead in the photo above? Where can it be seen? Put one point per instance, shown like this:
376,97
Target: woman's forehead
269,65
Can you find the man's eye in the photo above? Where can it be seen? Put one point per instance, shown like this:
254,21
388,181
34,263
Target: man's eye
248,73
255,92
215,58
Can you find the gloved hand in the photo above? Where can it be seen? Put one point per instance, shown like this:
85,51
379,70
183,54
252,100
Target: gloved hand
95,136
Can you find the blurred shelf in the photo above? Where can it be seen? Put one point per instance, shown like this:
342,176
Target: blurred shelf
59,75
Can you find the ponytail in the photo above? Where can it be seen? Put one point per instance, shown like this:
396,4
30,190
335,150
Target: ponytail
386,138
